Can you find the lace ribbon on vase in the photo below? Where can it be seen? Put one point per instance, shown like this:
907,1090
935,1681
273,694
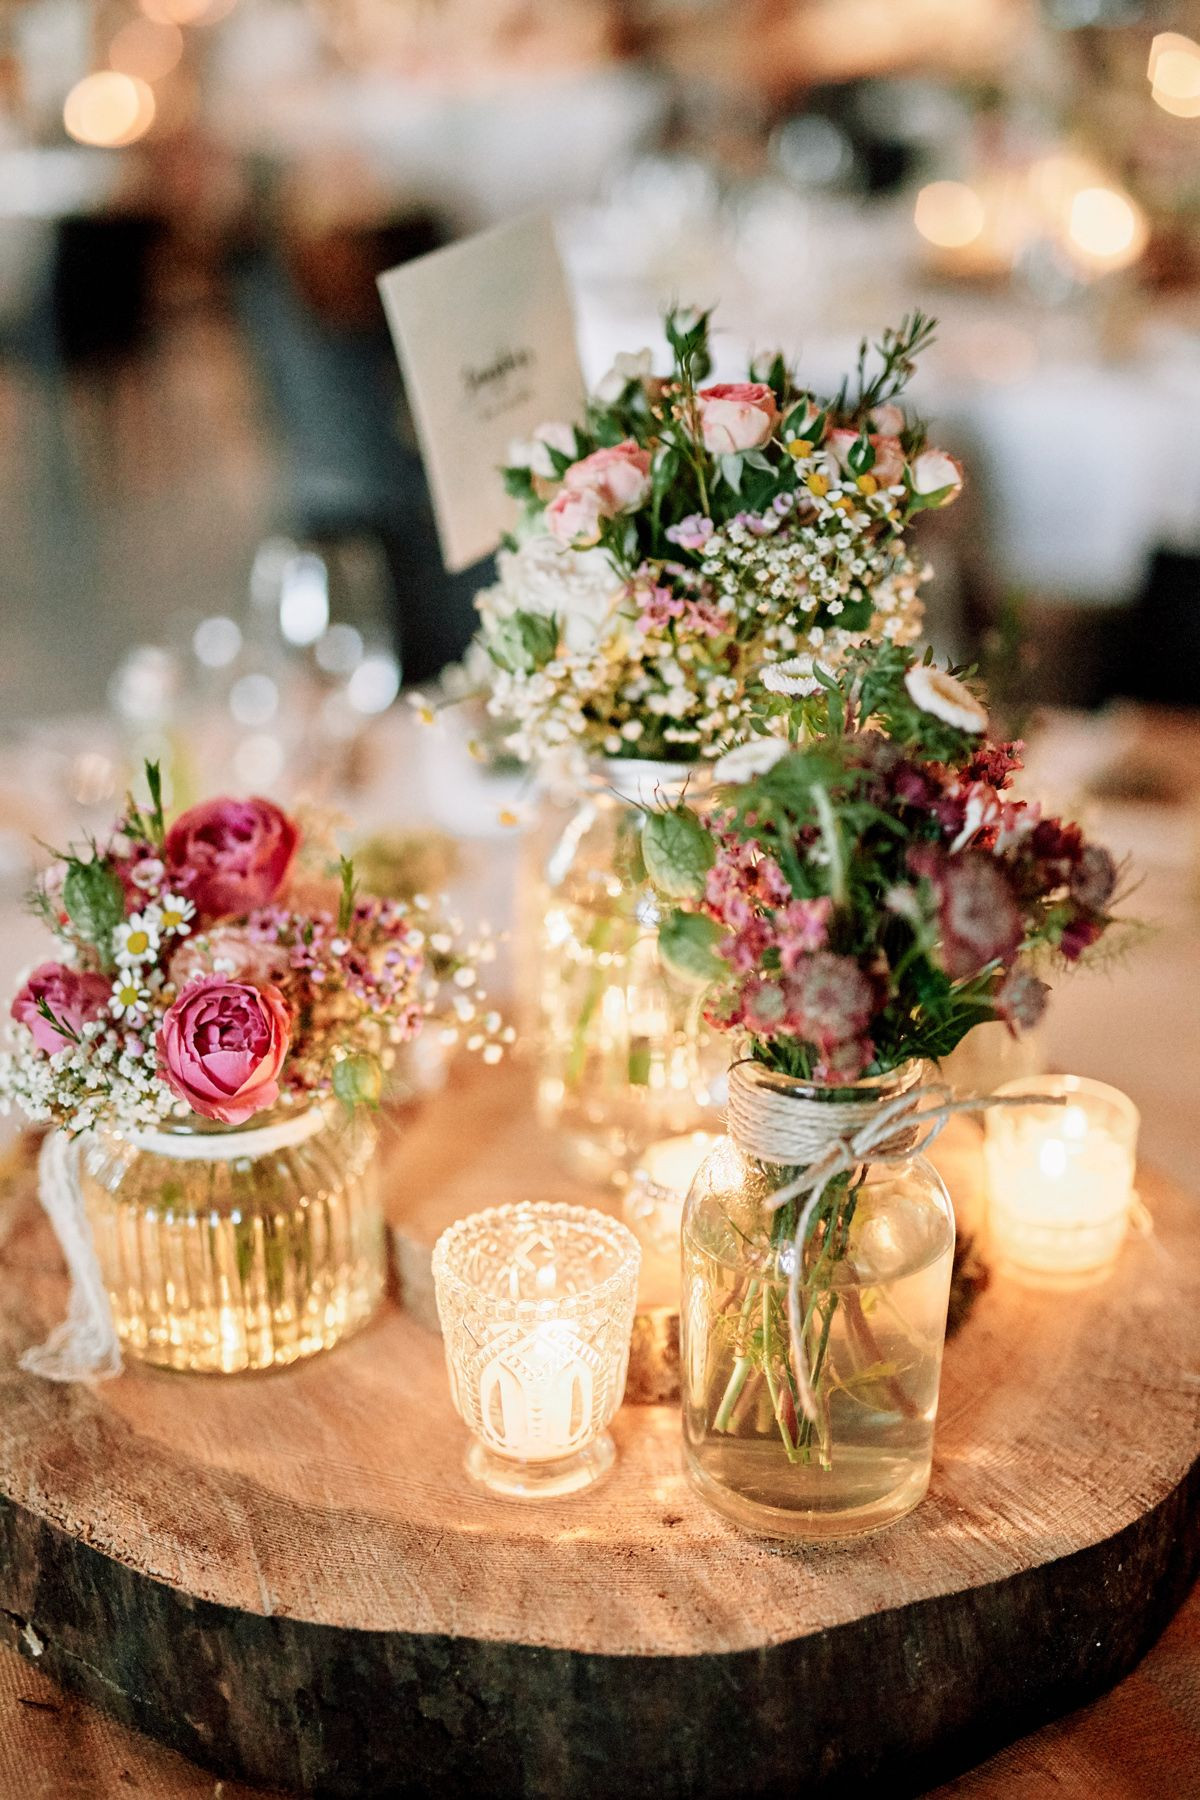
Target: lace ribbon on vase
85,1345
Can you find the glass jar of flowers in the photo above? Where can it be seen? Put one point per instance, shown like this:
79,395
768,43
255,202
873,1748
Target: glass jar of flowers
850,912
209,1046
684,547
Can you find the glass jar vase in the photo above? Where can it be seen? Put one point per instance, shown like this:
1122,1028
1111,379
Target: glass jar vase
871,1292
230,1248
623,1057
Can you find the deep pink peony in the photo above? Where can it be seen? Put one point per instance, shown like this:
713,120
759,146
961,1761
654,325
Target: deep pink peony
230,856
72,996
222,1045
735,416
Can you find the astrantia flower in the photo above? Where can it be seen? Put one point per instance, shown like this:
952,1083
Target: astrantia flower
1093,878
830,997
137,940
1021,998
937,692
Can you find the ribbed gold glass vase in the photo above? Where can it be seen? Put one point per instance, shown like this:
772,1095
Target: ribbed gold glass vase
228,1249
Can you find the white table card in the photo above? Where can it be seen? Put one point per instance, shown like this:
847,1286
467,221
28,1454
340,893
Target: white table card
486,339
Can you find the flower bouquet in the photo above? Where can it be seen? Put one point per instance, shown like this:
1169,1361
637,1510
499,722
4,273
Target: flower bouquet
686,550
219,1014
691,561
849,914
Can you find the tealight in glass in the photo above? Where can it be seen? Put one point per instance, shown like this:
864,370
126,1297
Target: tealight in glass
536,1304
1060,1180
658,1187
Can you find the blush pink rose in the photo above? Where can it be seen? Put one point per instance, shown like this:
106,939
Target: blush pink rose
888,466
619,477
736,415
232,953
934,471
74,997
222,1045
888,420
230,856
574,518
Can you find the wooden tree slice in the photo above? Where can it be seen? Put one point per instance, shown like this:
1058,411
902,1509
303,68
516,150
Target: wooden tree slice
289,1578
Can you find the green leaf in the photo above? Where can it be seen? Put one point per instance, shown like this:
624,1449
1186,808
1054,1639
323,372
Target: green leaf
731,471
861,455
358,1081
346,903
519,483
158,827
523,642
687,944
94,901
678,852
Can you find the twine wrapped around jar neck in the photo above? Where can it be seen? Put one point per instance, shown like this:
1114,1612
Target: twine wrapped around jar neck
777,1121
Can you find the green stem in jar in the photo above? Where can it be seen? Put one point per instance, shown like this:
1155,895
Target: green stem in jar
742,1366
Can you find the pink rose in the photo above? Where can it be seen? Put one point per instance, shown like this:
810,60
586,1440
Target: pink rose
229,856
736,415
574,518
889,420
222,1045
619,477
933,472
75,998
888,466
232,953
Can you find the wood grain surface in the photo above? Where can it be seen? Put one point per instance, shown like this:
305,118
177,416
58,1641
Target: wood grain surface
289,1577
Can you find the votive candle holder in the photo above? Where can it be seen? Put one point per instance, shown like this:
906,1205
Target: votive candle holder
658,1187
536,1303
1060,1180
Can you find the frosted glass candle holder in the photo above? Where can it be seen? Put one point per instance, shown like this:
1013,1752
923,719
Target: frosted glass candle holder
1060,1180
536,1304
658,1187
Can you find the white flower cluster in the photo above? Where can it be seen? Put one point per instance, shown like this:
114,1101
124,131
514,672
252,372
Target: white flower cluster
110,1074
770,591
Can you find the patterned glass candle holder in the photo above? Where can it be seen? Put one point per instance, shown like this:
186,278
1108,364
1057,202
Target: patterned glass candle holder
1060,1180
536,1304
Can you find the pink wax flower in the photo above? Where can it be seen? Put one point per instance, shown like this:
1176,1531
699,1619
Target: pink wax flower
736,416
691,533
222,1045
230,856
618,475
75,999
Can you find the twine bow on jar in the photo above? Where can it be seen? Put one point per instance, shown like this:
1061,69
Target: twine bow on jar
828,1138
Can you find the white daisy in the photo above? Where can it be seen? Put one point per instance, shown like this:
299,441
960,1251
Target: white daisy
175,914
137,940
129,996
753,758
947,698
